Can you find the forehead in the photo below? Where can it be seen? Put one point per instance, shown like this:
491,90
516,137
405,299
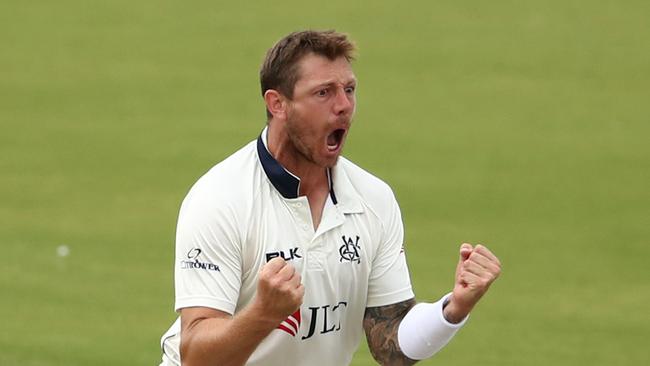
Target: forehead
315,70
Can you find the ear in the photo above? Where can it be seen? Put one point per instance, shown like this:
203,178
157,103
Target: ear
276,104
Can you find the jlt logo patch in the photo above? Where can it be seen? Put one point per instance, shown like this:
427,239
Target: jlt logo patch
329,319
322,320
350,249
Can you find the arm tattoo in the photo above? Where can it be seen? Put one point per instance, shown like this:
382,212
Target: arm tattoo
381,324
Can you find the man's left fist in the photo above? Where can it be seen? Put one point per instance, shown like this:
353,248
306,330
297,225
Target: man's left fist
476,270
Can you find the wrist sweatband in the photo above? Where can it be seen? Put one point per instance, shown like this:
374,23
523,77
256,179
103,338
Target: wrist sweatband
424,330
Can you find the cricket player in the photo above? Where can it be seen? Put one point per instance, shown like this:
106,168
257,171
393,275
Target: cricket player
286,252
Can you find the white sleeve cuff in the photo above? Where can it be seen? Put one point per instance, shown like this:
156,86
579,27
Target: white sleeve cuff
424,330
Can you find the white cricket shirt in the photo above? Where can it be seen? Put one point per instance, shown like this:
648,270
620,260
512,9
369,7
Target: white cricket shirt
247,210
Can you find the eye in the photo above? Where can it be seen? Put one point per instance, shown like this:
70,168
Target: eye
322,93
350,89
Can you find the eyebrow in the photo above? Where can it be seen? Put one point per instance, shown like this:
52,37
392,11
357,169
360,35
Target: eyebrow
331,83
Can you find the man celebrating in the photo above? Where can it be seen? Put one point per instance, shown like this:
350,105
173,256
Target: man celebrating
286,252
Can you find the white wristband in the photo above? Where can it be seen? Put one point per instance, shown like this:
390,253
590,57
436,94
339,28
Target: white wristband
424,330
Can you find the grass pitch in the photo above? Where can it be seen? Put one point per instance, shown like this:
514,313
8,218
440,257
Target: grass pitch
522,125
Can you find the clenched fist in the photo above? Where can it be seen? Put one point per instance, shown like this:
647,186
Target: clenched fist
475,272
279,290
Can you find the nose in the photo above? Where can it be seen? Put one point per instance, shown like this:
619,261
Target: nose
344,102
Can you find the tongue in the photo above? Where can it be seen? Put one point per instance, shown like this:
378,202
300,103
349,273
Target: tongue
331,139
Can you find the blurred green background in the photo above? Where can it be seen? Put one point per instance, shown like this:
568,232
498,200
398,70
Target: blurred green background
522,125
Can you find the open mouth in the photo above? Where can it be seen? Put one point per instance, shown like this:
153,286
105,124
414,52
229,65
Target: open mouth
335,139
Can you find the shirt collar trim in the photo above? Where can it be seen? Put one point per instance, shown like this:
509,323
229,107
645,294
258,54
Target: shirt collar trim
286,183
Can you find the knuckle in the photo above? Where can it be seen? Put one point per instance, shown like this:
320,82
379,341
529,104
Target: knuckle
278,261
283,288
296,296
275,282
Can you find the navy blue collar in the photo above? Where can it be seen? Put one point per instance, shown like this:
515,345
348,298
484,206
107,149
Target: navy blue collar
286,183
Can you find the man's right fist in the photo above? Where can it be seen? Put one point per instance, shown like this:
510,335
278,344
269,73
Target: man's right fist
279,290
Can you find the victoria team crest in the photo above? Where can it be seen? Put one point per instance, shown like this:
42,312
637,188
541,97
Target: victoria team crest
350,249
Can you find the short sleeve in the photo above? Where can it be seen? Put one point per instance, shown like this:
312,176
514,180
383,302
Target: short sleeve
389,280
208,263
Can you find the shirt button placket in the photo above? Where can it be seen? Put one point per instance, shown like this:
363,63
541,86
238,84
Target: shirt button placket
297,209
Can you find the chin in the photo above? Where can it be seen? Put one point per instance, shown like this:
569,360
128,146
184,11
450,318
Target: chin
330,163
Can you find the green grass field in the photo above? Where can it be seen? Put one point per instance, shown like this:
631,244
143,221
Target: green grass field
522,125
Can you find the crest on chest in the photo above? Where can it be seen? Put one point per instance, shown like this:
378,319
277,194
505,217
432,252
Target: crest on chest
350,250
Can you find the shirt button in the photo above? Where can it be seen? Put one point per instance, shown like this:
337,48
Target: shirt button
305,227
299,204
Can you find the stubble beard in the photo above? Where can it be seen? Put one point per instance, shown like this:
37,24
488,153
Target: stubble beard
301,147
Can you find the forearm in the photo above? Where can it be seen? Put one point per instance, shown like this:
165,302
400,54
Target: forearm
381,325
425,330
224,341
403,333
